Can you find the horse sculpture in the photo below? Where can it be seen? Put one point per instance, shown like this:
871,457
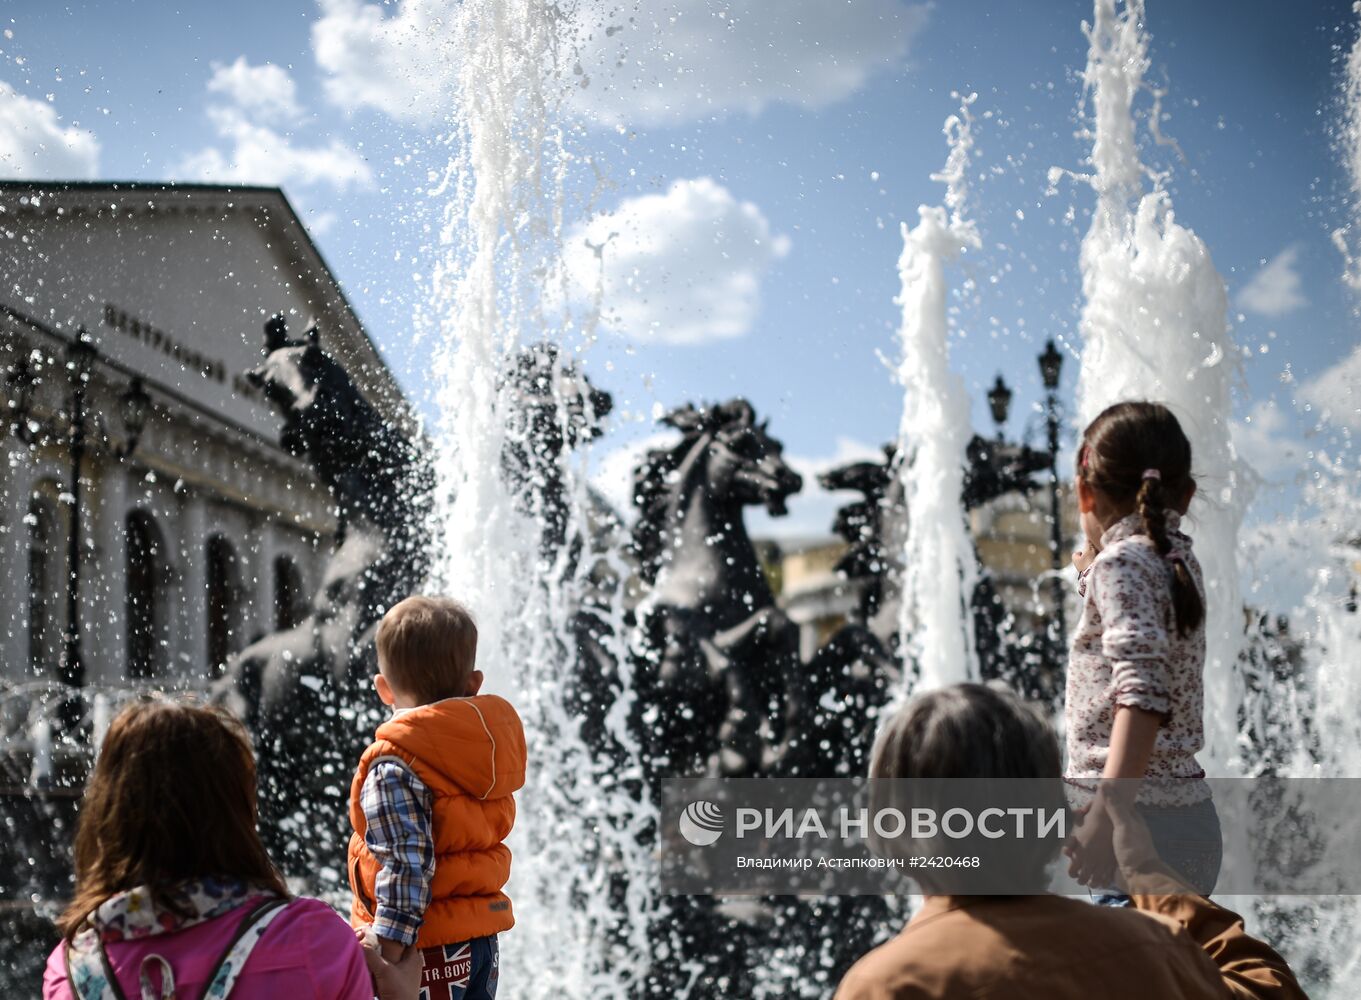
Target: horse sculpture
713,644
720,688
303,692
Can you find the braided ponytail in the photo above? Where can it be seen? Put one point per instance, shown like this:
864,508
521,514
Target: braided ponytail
1137,451
1187,607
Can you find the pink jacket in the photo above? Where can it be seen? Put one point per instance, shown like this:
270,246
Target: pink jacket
307,952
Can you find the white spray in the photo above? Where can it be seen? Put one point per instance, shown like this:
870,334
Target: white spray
1349,146
581,885
1154,326
938,558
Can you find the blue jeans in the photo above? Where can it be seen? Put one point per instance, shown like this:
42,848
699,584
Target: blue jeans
1188,840
465,971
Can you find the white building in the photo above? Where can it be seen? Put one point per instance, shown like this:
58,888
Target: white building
208,534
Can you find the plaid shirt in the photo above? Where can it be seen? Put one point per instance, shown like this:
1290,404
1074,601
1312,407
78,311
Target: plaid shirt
397,807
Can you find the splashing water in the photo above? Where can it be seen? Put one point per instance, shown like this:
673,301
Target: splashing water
1349,146
940,570
581,884
1154,326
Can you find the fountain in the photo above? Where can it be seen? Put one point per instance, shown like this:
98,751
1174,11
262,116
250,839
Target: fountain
940,569
1154,326
701,674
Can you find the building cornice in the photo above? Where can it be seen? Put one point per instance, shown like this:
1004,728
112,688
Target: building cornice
345,335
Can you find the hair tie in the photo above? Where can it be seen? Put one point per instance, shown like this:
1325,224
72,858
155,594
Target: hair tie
1152,474
1175,557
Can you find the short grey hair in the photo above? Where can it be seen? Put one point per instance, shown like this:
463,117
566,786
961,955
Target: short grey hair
971,731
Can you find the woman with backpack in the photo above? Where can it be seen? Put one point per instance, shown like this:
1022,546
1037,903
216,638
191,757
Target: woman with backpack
175,895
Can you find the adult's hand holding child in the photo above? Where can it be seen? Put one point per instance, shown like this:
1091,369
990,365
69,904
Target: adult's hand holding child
399,980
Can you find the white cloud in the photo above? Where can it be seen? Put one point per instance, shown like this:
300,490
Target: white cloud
649,64
265,92
1266,440
681,60
260,155
1337,392
1275,289
683,267
405,65
252,102
34,144
813,509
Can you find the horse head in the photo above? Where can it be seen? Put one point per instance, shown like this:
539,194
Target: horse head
725,459
553,400
741,461
292,378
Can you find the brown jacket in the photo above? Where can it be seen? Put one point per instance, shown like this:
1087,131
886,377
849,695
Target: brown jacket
1172,947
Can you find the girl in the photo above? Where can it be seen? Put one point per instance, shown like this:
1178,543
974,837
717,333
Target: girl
1135,693
174,892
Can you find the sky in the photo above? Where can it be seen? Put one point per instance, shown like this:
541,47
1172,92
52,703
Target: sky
755,161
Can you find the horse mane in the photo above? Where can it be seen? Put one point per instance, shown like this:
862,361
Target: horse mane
652,480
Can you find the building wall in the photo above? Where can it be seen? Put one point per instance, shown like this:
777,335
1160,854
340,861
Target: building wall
190,489
175,291
1013,543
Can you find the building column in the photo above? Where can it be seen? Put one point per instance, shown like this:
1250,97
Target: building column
262,570
192,648
108,590
16,490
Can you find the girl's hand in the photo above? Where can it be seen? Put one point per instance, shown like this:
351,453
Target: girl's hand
1091,851
1084,556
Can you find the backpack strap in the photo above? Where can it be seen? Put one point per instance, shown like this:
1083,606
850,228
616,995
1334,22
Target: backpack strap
88,973
248,935
91,978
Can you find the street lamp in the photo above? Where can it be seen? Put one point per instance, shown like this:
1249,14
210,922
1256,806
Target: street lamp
999,401
134,407
1051,367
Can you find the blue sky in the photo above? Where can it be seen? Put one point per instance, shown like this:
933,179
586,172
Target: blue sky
771,167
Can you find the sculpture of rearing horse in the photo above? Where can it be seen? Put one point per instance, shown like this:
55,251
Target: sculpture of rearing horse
714,647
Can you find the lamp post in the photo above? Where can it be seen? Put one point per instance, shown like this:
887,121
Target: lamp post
1051,367
134,407
999,402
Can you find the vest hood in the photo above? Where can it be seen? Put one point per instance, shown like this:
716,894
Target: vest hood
477,743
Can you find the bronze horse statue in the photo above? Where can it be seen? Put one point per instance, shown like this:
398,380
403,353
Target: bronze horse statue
713,647
304,692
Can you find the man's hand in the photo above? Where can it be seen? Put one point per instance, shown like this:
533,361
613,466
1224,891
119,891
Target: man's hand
1090,851
1131,839
392,951
399,980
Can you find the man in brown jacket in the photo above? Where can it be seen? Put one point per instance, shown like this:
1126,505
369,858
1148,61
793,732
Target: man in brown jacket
1173,945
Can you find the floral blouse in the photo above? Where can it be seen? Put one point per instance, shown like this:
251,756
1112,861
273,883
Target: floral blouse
1127,651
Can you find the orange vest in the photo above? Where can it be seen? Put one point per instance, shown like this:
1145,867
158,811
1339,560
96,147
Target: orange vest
470,753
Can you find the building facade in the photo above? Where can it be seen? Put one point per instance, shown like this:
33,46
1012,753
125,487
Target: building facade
1012,538
208,534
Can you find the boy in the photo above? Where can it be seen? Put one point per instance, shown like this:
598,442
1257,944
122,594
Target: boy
431,803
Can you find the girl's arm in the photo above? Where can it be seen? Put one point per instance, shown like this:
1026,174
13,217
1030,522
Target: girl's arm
1132,737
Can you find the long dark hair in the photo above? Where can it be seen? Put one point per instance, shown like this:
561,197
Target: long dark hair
172,798
1119,447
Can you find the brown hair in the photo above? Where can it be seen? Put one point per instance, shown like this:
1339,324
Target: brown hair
1123,443
172,798
427,648
966,732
